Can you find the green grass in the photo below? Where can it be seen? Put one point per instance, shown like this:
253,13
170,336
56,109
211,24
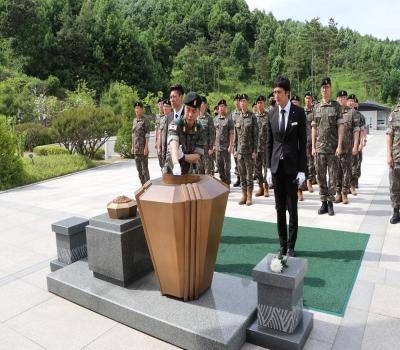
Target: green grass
334,258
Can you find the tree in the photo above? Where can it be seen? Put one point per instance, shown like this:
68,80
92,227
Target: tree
391,85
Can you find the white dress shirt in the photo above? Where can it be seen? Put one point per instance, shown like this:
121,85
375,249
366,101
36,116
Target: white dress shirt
287,110
178,113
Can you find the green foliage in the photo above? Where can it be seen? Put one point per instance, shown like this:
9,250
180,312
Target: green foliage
123,144
48,150
11,168
85,129
391,86
34,134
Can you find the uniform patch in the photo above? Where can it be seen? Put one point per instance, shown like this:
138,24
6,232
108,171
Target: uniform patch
172,127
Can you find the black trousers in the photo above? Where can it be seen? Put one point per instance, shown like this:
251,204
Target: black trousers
285,189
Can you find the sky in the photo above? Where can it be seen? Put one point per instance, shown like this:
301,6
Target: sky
380,19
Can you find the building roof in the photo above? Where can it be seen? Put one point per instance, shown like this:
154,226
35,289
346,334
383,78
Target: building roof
372,106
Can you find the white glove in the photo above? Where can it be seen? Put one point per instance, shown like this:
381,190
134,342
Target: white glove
269,177
176,170
300,178
180,153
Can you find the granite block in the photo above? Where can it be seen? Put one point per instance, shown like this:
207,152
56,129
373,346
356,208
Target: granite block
217,320
103,221
70,226
280,297
56,265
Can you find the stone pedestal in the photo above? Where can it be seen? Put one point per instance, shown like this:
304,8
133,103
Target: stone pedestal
70,240
281,321
117,249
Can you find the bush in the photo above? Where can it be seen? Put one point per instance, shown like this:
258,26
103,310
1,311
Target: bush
49,150
11,167
35,134
123,144
100,154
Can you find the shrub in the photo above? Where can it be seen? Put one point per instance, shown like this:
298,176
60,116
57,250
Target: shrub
100,154
35,134
123,144
49,150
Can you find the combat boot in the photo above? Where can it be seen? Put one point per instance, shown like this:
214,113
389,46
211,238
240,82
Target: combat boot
249,200
237,183
353,190
244,198
330,209
395,217
324,208
266,189
309,186
338,197
260,191
345,199
300,197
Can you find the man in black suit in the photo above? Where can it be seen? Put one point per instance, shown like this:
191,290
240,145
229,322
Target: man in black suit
286,160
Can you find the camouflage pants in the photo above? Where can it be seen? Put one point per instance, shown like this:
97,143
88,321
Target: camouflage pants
142,167
394,187
224,166
236,166
356,169
326,163
260,169
161,160
343,176
205,164
311,173
246,171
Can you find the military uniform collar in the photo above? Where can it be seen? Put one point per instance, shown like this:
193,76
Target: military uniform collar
329,103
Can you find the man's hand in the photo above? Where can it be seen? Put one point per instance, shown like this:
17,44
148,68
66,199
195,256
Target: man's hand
390,161
338,151
300,178
254,155
355,151
176,170
146,151
180,153
314,152
360,147
269,177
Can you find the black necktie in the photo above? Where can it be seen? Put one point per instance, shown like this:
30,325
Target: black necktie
282,124
176,116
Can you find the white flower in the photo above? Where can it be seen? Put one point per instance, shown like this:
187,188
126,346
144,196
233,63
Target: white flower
276,265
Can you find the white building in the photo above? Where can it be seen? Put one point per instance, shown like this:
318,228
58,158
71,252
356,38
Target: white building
376,115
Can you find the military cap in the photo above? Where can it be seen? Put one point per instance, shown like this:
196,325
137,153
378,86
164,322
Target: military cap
138,104
167,102
341,93
236,97
270,95
326,81
352,97
192,100
160,99
295,98
308,93
203,99
244,97
221,102
260,98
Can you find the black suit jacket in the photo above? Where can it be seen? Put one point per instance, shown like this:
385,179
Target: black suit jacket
292,144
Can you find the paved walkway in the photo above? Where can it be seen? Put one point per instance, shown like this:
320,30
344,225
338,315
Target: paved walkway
32,318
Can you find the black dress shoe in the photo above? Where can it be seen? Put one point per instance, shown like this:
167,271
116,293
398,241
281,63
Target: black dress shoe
324,208
330,209
282,251
396,217
237,183
290,252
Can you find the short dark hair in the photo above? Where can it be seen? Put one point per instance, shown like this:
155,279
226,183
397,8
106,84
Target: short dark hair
178,88
282,82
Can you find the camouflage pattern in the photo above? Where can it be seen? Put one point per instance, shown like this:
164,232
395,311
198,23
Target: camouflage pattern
310,170
162,121
351,122
224,128
357,160
206,164
141,131
393,130
326,162
261,160
192,141
234,115
246,142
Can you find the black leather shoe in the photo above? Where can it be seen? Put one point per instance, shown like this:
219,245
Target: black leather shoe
237,183
395,218
330,209
282,251
290,252
323,209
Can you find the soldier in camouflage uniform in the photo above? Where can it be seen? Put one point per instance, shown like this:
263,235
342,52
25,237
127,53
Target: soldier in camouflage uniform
393,160
206,165
271,102
224,130
327,137
261,160
310,173
234,115
159,115
167,109
185,138
140,142
296,101
245,146
351,123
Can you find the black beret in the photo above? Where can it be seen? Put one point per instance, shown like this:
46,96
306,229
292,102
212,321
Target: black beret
192,100
326,81
295,98
260,98
167,102
203,99
352,97
221,102
271,95
236,97
308,93
244,97
138,104
341,93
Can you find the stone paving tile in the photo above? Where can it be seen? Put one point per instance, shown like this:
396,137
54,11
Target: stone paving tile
385,301
381,333
10,339
325,327
361,295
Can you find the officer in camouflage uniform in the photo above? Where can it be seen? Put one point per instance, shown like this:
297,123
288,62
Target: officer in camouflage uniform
261,160
234,115
186,138
224,133
327,137
140,143
393,160
205,165
167,109
271,102
245,146
308,109
296,101
351,123
159,115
